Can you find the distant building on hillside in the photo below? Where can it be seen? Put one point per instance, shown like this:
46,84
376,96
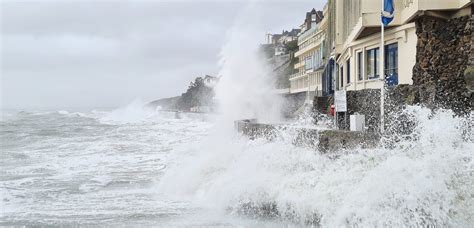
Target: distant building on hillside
280,49
282,38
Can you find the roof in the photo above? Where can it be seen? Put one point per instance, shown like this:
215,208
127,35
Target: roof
319,15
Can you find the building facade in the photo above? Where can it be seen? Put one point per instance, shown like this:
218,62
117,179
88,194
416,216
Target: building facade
428,43
311,57
356,36
427,48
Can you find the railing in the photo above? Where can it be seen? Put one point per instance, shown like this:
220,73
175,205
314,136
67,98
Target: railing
307,34
311,43
299,85
318,64
296,75
300,64
315,78
282,90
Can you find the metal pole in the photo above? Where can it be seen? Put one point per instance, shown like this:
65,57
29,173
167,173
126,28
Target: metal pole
382,73
334,78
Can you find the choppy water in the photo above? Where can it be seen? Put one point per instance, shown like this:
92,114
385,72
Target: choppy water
93,168
132,167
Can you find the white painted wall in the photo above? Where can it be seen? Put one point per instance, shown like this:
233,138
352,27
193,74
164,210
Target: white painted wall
404,36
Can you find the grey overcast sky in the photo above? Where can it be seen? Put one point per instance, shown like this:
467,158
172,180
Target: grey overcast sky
78,54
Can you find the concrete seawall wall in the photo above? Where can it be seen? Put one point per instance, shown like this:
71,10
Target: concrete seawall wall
321,140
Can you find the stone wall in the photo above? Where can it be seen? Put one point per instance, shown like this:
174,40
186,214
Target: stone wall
365,102
322,140
443,51
469,72
333,140
291,103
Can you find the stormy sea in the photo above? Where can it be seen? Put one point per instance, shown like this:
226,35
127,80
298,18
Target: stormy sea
133,166
138,167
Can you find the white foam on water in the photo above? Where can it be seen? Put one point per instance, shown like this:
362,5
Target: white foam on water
66,169
99,171
134,112
426,181
63,112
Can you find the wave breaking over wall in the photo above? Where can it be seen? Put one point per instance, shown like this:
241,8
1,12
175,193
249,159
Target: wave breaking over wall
425,179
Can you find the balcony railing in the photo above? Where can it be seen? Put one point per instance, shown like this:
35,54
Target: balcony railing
297,75
313,42
300,64
307,34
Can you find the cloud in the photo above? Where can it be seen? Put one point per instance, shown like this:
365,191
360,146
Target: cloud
90,54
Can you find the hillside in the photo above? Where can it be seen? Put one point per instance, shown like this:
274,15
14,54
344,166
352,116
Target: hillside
199,93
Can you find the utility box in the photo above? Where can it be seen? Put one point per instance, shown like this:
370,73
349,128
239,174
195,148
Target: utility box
357,122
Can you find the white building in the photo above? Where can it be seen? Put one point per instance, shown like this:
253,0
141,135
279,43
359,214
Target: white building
311,57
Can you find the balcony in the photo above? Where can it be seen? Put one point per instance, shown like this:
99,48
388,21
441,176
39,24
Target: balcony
405,11
306,82
297,75
300,65
302,38
299,85
282,91
311,43
315,80
410,8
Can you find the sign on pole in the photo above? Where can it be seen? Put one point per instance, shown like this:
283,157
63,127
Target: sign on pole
340,101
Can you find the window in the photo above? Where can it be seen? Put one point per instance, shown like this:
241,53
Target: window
317,62
318,59
308,62
360,62
372,63
391,64
348,67
341,76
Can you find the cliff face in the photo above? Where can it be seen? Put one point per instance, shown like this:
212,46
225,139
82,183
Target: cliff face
199,93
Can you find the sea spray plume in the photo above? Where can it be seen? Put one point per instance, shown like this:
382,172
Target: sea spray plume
428,183
246,88
134,112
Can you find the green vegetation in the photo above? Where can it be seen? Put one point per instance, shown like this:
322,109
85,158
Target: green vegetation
292,46
197,94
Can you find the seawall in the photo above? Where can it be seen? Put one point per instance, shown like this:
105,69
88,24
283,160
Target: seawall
323,140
